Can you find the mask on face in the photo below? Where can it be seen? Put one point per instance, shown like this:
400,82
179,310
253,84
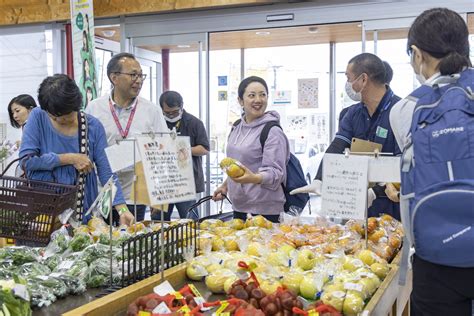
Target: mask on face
351,93
419,76
174,119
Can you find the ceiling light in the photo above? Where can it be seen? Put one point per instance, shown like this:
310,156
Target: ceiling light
184,46
108,33
313,29
262,33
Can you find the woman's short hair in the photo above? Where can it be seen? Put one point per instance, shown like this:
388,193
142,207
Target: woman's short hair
59,95
244,84
373,66
442,34
26,101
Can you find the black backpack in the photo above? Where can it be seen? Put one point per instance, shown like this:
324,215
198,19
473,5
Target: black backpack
294,175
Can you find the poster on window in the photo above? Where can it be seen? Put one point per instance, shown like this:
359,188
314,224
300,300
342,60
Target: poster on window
82,27
168,168
319,127
308,91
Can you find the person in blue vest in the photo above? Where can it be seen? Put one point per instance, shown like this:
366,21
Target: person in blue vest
438,46
368,120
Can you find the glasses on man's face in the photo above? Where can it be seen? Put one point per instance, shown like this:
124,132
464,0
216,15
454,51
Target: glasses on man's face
133,76
172,114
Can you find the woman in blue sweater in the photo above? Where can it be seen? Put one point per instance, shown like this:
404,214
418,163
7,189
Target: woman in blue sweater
51,141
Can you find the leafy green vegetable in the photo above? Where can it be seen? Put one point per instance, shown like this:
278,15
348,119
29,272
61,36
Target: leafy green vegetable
40,295
15,304
75,285
94,252
96,281
79,242
53,261
18,255
57,286
32,269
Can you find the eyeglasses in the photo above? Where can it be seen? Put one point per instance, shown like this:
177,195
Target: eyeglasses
172,113
134,77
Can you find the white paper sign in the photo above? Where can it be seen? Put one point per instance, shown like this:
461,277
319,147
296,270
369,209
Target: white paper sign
384,169
120,155
168,168
344,188
164,288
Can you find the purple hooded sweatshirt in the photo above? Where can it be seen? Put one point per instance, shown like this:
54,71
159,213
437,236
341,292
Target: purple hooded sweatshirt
243,144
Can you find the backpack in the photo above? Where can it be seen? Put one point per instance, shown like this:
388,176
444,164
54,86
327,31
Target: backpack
437,172
294,175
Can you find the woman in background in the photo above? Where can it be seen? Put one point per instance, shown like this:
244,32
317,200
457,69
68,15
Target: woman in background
19,109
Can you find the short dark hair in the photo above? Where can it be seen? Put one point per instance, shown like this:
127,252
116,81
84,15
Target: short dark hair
26,101
442,34
244,84
114,63
388,72
172,99
371,65
59,95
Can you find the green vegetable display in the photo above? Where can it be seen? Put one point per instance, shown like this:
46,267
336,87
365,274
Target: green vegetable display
57,286
53,261
32,269
12,298
80,242
18,255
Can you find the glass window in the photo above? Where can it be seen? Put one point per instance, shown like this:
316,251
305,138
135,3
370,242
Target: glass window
102,59
26,61
184,78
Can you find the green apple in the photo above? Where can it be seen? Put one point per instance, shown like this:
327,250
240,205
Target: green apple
380,269
306,259
310,286
228,283
278,258
287,249
334,298
269,286
292,281
351,264
215,281
195,271
353,303
367,257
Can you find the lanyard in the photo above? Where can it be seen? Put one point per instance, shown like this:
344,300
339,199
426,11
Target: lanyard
123,133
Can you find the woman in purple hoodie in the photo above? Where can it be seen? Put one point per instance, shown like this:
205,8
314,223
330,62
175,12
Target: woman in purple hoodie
259,190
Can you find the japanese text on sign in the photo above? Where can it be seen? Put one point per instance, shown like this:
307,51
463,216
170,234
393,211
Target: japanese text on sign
344,188
168,168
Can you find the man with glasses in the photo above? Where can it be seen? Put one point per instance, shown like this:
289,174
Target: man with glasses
186,124
125,114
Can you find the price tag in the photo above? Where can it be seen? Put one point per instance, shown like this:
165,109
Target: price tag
178,295
21,291
162,308
163,289
194,290
221,309
66,265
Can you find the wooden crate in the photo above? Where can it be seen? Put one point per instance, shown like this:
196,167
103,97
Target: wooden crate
390,298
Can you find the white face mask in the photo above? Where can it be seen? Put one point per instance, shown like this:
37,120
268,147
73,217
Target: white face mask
351,93
174,119
419,76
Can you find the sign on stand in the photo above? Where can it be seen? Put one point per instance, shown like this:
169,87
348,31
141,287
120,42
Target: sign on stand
344,186
102,203
168,166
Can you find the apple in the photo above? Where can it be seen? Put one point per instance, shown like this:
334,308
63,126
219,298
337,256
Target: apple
311,284
367,257
255,249
278,258
215,281
334,298
235,223
380,269
369,285
217,244
213,267
196,271
352,264
270,286
353,303
306,259
292,281
286,249
230,244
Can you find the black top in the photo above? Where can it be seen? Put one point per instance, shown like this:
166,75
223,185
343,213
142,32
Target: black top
191,126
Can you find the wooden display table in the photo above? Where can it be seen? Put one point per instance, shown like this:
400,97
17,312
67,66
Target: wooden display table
389,299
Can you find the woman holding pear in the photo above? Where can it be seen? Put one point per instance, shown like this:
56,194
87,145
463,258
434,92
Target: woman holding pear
258,189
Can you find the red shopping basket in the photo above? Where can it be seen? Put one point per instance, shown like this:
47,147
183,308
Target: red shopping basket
28,208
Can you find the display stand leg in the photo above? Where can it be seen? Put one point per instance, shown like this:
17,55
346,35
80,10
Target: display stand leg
134,181
162,247
110,231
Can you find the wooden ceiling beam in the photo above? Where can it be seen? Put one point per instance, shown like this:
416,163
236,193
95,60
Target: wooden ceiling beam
42,11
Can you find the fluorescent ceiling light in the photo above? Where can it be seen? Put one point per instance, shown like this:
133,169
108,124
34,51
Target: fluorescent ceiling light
184,46
262,33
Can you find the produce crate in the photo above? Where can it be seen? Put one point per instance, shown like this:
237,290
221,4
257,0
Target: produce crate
389,299
142,253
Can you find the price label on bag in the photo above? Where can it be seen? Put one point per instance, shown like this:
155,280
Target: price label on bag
21,291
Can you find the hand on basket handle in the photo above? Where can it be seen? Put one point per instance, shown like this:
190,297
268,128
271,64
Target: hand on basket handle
217,196
314,188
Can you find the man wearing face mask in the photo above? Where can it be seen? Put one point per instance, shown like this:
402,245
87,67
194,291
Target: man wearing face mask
186,124
368,120
125,114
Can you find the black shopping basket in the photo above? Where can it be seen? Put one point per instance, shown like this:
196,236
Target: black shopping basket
28,208
193,213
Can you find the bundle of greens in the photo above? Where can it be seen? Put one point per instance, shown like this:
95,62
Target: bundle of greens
80,242
32,269
18,255
14,298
